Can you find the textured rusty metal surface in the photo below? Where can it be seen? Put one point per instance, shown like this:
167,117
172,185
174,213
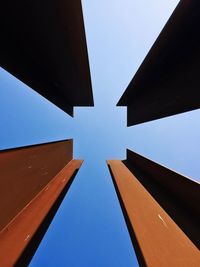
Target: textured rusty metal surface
43,44
168,80
177,194
24,172
20,238
157,239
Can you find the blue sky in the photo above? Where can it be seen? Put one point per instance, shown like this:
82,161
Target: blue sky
89,229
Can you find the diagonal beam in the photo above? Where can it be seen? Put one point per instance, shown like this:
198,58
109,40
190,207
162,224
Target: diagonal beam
31,196
158,236
43,44
167,82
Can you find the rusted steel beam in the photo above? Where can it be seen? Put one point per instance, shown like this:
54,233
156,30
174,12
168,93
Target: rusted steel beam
177,194
43,44
168,80
21,237
158,239
30,197
24,172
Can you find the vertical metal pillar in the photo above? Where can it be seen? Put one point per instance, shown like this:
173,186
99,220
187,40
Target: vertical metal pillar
163,228
33,183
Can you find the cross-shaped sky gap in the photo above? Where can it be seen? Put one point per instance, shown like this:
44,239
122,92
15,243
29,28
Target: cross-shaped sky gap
102,129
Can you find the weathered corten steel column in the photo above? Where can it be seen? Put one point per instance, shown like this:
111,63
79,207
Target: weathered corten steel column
33,183
161,209
168,80
43,44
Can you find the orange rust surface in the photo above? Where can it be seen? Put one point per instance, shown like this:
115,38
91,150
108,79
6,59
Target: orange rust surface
25,171
161,242
16,236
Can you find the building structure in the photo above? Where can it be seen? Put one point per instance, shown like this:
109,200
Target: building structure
161,211
33,183
160,206
43,44
167,82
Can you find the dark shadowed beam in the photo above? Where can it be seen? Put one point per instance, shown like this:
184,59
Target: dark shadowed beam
161,211
33,183
43,44
168,80
177,194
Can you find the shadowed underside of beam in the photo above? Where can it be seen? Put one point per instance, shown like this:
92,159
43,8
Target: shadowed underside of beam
43,44
161,211
33,183
168,80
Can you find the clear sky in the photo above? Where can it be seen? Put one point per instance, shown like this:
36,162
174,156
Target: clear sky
89,229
